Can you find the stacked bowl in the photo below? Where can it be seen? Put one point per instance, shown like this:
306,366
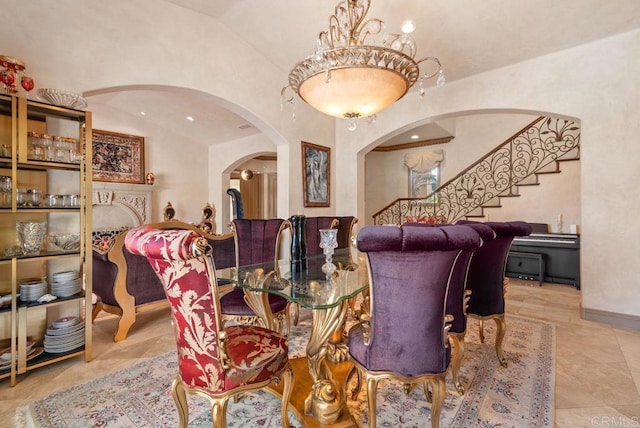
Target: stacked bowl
65,334
65,284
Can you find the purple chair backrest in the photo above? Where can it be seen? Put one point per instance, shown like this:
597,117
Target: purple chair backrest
312,232
410,269
457,286
486,270
257,240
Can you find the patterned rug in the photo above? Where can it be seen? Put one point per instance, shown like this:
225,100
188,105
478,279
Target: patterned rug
521,395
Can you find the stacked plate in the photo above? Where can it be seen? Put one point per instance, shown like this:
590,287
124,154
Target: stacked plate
32,352
65,284
65,334
32,289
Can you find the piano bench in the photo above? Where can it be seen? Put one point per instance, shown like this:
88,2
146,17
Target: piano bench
522,255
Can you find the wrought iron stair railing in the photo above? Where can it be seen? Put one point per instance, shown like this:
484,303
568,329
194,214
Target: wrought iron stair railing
530,151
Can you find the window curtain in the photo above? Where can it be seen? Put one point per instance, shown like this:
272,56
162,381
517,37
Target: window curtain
422,162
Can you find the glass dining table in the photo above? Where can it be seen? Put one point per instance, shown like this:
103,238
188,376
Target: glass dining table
328,297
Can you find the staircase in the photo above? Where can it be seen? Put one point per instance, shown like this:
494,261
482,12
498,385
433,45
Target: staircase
536,150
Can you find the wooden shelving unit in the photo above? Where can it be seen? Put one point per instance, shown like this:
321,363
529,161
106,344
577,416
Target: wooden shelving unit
22,322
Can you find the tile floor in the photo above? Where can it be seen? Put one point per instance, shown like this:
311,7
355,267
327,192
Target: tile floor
597,365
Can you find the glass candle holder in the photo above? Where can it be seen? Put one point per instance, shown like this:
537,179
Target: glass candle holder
328,242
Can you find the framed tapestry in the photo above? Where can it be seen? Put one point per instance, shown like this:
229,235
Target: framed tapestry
117,157
316,170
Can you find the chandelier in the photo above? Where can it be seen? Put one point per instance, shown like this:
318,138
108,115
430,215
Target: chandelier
350,77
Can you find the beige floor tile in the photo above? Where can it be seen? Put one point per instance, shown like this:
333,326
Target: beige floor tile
597,365
589,385
594,417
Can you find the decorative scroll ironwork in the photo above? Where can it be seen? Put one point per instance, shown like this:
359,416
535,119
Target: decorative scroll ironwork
539,144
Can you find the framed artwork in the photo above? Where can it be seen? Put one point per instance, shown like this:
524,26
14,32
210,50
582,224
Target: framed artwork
117,157
316,180
423,184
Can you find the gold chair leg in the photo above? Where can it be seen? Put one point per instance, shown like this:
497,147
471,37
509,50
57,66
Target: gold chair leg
501,325
219,412
296,313
456,360
438,388
356,389
372,387
288,378
287,317
481,330
427,391
97,308
180,398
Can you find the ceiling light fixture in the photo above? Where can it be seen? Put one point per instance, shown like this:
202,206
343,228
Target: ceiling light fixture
415,137
246,174
349,76
408,27
190,118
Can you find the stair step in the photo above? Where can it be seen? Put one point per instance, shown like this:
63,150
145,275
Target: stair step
551,167
529,180
475,213
548,172
572,155
495,202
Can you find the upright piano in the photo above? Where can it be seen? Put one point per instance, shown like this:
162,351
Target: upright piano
555,255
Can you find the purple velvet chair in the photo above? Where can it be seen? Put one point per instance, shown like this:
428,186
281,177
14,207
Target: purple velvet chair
457,301
406,335
486,279
257,241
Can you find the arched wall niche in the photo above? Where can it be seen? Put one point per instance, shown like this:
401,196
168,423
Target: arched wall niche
476,133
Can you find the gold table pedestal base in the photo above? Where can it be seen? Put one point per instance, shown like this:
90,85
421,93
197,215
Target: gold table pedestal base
304,383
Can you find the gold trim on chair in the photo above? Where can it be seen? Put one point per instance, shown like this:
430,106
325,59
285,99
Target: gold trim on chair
434,385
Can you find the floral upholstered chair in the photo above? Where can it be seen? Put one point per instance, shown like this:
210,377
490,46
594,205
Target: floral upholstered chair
257,241
214,362
406,336
486,279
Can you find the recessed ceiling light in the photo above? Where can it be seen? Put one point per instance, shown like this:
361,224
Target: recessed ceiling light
144,113
190,118
415,137
408,27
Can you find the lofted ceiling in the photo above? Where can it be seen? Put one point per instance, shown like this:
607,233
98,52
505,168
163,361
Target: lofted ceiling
468,37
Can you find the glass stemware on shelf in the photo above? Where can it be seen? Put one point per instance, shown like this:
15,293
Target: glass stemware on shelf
328,242
5,191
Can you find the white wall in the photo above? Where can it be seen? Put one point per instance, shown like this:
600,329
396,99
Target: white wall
557,194
597,83
180,164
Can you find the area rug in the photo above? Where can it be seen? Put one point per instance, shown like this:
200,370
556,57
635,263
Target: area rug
520,395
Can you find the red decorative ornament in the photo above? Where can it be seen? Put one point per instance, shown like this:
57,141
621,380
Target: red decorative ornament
12,70
7,77
151,178
27,83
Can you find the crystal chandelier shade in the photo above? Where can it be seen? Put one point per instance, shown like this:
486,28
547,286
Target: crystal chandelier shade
348,76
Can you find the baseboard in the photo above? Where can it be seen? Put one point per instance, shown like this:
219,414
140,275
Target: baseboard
614,318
